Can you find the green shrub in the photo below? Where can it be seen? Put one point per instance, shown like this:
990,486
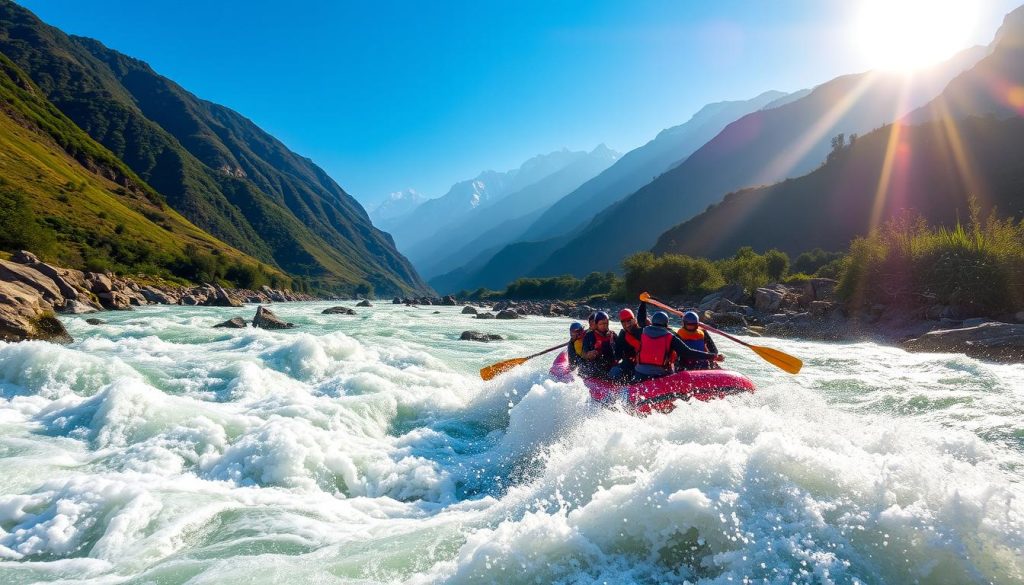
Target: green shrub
753,270
671,274
980,266
19,228
811,262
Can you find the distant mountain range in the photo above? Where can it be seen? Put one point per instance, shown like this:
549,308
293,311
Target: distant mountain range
212,165
966,142
760,148
532,239
396,205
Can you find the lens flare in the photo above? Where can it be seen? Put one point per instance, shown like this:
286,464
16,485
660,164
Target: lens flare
905,35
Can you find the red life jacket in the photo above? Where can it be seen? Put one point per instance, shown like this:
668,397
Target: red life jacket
655,351
693,339
634,342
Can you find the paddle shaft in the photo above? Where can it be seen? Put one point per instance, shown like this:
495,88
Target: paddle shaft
703,325
548,350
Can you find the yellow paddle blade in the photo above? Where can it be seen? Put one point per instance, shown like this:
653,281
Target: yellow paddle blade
500,368
779,359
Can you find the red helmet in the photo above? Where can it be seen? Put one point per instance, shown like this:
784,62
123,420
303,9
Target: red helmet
626,314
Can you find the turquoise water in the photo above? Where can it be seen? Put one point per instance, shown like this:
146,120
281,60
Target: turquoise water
366,449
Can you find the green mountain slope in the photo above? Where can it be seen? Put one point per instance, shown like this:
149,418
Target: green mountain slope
73,202
214,166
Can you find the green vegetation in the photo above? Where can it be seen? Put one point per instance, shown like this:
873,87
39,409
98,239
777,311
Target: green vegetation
595,284
57,200
210,164
980,266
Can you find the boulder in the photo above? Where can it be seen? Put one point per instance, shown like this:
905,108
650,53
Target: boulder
24,257
266,319
189,300
24,314
992,340
501,305
220,298
99,283
768,300
11,272
818,289
436,313
507,314
338,311
364,303
468,310
485,316
728,319
449,301
73,307
115,301
95,321
157,296
477,336
232,323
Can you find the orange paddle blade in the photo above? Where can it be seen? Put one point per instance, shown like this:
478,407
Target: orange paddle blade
781,360
500,368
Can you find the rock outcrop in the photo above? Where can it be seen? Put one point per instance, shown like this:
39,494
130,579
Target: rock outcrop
477,336
338,311
232,323
266,319
991,340
468,310
364,303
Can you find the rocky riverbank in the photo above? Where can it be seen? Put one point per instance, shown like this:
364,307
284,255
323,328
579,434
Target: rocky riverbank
810,310
32,293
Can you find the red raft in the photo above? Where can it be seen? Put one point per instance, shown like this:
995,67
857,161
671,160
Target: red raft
659,394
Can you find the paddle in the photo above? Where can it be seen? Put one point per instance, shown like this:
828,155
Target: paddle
777,358
502,367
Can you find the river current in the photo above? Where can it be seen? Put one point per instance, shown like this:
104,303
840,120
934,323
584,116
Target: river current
365,449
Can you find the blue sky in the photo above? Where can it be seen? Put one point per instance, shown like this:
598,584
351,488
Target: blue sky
390,95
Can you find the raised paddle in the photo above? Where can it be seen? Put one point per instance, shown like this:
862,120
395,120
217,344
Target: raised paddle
777,358
502,367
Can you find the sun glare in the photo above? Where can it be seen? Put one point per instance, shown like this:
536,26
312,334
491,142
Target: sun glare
905,35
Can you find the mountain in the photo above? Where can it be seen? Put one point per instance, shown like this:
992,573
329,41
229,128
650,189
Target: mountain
438,215
212,165
969,145
993,86
449,249
396,205
763,147
72,202
571,213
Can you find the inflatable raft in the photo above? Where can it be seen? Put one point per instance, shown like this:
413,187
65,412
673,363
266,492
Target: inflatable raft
659,394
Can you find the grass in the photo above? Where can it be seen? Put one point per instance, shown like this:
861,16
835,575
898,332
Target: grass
978,266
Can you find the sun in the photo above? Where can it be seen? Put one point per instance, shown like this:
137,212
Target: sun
905,35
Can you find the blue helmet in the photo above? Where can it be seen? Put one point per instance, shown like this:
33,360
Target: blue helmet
660,318
576,326
690,317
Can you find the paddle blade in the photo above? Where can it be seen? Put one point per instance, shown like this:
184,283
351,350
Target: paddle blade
500,368
645,297
779,359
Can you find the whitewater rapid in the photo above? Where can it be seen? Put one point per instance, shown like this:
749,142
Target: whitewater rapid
365,449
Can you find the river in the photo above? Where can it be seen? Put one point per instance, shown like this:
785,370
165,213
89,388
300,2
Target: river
365,449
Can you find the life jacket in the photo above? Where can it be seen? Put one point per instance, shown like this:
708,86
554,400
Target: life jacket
655,347
577,346
634,341
693,339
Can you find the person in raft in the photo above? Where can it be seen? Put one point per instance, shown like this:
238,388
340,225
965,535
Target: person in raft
627,342
575,346
657,345
695,338
598,348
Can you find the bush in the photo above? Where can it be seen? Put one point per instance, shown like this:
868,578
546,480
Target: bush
19,228
561,287
753,270
811,262
671,274
979,266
